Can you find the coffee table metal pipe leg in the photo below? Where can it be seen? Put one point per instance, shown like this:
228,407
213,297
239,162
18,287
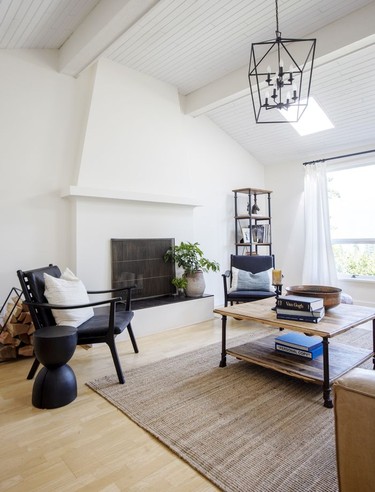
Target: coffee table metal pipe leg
223,361
326,386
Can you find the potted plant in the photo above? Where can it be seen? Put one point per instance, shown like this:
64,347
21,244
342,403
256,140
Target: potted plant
180,283
190,257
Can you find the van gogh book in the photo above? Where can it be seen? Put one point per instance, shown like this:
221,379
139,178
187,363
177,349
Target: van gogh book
299,303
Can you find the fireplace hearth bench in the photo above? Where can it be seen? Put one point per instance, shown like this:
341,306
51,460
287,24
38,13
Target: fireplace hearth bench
337,358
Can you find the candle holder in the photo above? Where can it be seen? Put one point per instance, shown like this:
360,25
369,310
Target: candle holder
278,292
278,289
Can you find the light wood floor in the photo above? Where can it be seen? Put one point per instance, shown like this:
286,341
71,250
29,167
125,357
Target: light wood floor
89,445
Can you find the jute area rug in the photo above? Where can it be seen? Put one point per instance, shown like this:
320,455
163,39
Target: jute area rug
244,427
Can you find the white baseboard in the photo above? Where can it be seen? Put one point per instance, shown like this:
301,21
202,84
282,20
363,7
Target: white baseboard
162,318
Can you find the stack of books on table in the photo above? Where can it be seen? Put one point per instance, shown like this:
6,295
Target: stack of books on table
299,344
300,308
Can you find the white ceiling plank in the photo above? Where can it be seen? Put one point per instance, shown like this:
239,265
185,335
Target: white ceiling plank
102,27
202,48
40,23
338,39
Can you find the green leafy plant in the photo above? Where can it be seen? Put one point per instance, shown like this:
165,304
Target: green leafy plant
179,282
190,257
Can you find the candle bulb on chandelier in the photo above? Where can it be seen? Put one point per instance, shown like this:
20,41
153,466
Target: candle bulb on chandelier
269,78
290,80
294,92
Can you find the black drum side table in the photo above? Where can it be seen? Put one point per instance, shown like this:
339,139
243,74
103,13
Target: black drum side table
55,384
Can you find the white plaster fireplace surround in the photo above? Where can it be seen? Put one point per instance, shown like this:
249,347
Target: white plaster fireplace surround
99,220
147,170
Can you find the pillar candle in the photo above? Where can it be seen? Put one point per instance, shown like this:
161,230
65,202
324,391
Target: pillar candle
276,277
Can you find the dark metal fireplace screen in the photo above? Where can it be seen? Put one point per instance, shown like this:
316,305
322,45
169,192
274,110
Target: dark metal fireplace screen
140,262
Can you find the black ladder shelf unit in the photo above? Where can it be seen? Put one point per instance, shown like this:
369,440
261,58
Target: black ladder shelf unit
252,221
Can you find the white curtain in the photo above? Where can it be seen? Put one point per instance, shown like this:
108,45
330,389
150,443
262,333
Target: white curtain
319,265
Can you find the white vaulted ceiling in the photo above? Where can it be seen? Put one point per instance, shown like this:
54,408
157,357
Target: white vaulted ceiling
202,48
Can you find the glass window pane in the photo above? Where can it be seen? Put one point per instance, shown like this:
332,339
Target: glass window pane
352,211
355,259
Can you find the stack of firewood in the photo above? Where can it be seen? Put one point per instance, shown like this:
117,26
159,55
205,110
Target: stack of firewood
16,330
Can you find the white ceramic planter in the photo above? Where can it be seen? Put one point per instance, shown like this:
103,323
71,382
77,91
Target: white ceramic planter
195,284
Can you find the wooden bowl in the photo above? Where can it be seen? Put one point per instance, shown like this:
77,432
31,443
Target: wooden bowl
331,295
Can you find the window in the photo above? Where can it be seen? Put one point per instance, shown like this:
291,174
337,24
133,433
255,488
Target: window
313,120
352,217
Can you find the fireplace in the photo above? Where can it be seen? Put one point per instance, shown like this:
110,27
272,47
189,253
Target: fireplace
140,262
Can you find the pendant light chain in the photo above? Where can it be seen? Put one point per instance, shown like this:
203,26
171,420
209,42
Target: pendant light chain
278,33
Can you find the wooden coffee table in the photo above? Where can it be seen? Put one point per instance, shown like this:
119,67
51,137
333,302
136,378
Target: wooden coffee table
337,358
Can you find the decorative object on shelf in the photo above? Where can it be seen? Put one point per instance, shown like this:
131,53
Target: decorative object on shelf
190,257
331,295
290,87
246,234
252,231
254,209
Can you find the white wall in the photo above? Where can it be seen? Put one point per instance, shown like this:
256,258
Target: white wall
138,140
286,182
39,120
115,129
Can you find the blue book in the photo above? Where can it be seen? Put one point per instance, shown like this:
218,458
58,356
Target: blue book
307,354
299,341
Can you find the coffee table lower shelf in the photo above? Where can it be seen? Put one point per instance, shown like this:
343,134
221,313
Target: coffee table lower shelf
262,352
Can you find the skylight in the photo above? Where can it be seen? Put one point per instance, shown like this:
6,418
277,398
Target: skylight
313,120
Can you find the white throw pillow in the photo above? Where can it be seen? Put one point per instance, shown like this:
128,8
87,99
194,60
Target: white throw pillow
67,290
242,280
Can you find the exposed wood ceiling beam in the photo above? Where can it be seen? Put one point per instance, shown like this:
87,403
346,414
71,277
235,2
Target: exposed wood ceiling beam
105,23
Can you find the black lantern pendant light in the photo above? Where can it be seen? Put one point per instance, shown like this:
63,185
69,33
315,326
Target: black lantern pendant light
280,73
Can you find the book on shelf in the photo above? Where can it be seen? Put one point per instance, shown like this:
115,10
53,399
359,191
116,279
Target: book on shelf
317,313
307,354
299,340
300,303
298,317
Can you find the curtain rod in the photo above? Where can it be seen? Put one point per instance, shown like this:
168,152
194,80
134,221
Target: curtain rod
338,157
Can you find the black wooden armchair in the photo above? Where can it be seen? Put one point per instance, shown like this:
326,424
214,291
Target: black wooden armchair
240,286
100,328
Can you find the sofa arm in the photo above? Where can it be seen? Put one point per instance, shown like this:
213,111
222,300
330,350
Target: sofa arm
354,409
